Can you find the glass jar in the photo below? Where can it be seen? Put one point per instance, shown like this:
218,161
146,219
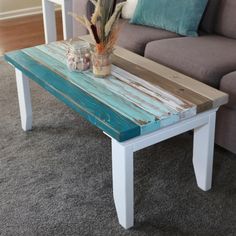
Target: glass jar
101,64
78,56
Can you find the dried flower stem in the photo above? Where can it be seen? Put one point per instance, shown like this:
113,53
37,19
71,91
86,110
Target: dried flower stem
103,26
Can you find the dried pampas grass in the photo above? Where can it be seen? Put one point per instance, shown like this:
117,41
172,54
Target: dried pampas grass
103,26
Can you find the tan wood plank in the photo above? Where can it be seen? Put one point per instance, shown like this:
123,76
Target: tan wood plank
217,97
201,102
204,96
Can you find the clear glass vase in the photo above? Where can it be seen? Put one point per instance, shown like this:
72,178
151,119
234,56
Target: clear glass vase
78,56
101,64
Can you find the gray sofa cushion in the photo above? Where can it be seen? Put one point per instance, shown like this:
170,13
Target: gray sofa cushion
83,9
226,128
209,17
206,58
226,19
135,37
228,85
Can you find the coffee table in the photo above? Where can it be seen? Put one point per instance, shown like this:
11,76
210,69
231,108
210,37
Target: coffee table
141,104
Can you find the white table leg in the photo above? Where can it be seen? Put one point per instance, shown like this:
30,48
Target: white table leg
49,21
203,151
122,175
24,100
67,20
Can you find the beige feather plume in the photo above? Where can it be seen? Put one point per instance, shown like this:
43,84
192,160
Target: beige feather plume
113,18
78,18
96,13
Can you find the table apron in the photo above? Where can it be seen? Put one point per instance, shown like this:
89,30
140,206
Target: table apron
183,126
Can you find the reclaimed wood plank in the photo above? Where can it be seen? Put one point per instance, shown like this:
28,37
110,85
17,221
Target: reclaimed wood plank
216,97
144,102
201,102
166,113
97,113
147,121
184,108
164,100
204,96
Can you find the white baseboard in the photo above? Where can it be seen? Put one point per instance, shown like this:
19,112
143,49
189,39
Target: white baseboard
22,12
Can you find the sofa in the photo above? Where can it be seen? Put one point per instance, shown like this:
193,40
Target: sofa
209,58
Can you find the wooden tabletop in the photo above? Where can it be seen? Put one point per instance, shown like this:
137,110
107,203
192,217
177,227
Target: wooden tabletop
204,96
139,97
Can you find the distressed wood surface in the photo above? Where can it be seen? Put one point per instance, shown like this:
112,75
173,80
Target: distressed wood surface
204,96
94,111
124,105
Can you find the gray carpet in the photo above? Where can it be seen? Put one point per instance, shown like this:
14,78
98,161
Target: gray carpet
56,179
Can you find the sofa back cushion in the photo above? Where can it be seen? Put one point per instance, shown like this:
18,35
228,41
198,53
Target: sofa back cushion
209,17
226,19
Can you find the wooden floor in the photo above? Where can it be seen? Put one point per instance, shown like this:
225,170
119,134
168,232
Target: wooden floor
24,32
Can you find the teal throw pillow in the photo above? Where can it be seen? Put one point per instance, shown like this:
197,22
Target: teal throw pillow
179,16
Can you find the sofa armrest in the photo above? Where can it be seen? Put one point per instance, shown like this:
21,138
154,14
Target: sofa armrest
228,85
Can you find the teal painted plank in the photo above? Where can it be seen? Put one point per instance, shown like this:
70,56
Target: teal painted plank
151,98
146,102
102,116
166,99
164,114
146,106
97,88
54,50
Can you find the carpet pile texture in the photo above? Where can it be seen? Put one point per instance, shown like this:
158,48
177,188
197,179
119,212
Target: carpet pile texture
56,179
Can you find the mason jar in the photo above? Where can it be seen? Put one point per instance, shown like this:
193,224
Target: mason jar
78,56
101,64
